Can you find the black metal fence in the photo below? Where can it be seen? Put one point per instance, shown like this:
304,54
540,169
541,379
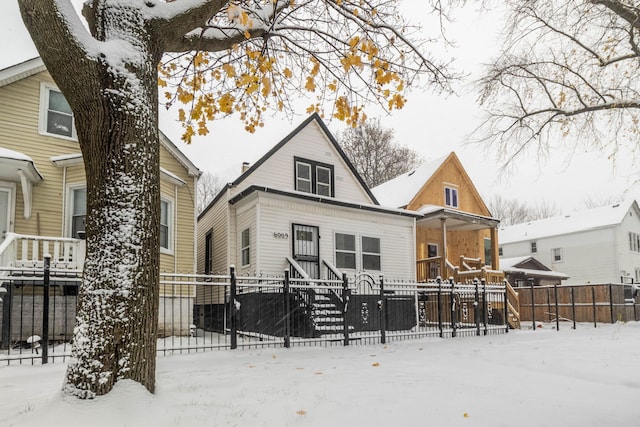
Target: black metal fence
206,312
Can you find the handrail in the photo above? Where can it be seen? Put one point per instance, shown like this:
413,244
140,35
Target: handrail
513,308
10,237
298,269
27,249
333,270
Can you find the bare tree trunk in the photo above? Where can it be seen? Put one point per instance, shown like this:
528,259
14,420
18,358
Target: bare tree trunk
115,105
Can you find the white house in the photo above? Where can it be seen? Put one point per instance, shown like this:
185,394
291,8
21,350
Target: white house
599,245
304,201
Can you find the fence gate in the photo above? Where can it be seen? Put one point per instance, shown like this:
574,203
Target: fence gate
306,249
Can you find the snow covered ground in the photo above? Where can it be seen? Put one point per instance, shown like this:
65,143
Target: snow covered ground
584,377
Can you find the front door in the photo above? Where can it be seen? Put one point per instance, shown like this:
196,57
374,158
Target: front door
5,212
306,249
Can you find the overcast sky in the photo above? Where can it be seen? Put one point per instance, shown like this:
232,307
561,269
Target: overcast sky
432,125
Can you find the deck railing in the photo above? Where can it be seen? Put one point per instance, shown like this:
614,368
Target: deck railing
21,250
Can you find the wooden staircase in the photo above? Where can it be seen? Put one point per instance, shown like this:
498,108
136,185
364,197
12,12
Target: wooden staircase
513,307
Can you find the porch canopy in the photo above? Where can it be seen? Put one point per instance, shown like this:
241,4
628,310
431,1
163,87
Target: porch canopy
453,220
18,167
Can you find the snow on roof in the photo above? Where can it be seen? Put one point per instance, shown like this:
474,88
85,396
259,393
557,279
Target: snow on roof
399,191
605,216
15,155
511,261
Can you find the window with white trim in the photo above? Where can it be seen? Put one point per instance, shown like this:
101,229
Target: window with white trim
56,117
245,247
77,211
371,253
313,177
451,197
166,225
345,251
556,254
634,242
534,247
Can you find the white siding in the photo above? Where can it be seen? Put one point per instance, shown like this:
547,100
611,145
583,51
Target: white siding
587,257
628,260
216,219
279,213
310,143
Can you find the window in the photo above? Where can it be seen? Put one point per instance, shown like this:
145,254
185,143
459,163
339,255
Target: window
370,253
245,247
451,197
166,217
303,177
487,252
634,242
500,251
77,211
556,253
208,253
345,251
314,177
323,181
56,117
432,250
534,247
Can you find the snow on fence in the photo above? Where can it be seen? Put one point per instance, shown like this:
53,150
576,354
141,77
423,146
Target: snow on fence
206,312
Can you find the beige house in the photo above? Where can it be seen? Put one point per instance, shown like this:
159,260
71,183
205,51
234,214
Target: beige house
42,181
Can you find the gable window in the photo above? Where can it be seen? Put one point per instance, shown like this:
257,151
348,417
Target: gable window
451,197
371,253
245,246
208,253
56,117
345,251
77,211
303,177
499,250
556,254
634,242
534,247
314,177
323,181
166,221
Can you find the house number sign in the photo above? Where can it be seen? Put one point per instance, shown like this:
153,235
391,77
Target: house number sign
277,235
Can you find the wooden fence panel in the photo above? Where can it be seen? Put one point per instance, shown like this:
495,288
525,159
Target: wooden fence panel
600,303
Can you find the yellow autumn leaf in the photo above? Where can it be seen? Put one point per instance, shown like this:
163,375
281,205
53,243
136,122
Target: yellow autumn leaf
310,85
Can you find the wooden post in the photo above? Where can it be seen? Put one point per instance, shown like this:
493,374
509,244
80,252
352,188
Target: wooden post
495,255
595,312
443,259
555,291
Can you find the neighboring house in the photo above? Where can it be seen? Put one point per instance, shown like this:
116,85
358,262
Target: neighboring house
42,181
526,271
457,236
599,245
304,200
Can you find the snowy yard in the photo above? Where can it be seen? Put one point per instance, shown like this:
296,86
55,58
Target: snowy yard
587,377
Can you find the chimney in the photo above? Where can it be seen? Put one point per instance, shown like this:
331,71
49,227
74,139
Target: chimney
245,166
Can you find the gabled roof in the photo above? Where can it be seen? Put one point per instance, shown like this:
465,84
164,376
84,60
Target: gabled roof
33,66
530,266
592,219
400,191
314,117
21,71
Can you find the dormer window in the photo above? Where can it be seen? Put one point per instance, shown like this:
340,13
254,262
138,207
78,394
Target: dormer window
314,177
451,197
